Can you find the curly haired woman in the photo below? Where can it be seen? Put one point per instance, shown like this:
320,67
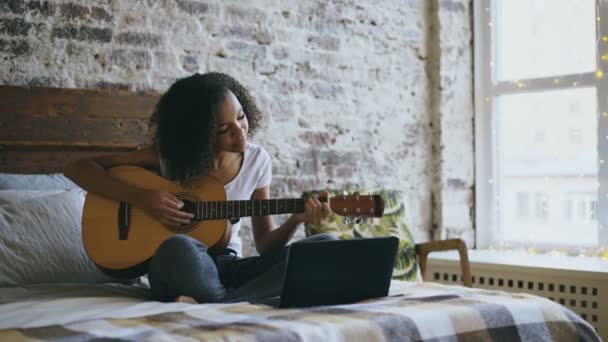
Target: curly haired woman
201,128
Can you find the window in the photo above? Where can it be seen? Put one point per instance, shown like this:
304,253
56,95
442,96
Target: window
523,206
575,135
541,102
541,209
528,211
574,108
539,136
580,208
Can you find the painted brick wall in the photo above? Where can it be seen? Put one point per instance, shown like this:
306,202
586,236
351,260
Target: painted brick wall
367,93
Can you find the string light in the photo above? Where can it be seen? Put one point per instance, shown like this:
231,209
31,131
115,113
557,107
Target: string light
605,56
556,81
596,252
520,84
605,39
599,74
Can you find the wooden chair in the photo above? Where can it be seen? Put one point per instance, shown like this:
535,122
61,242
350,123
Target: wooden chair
423,250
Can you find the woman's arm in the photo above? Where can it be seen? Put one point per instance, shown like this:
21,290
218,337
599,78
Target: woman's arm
268,239
91,175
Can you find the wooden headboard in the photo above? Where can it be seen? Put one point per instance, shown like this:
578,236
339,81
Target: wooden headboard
43,128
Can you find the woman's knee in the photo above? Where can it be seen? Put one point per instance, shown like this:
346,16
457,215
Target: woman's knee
173,256
178,246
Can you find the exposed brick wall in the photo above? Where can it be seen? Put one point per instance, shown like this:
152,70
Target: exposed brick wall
369,93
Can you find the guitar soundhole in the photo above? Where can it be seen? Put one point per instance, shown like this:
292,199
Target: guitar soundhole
189,207
190,201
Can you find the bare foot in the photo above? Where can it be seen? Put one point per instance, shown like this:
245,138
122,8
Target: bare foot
185,299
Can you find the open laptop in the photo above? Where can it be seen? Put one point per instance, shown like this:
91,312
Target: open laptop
336,272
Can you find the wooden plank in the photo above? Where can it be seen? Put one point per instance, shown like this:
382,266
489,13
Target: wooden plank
73,129
35,162
58,145
41,129
52,102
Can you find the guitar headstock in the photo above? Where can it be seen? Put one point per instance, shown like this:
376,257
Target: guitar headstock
357,205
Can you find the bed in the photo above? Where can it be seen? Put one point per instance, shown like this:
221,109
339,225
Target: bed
48,295
412,312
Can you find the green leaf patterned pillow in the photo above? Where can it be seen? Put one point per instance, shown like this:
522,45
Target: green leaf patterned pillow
392,223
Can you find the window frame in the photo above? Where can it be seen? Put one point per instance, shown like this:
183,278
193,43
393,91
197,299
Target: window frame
486,89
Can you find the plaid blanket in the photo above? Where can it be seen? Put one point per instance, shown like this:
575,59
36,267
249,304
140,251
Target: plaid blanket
425,311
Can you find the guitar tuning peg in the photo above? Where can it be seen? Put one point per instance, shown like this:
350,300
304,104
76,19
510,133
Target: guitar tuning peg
369,193
358,220
345,193
346,220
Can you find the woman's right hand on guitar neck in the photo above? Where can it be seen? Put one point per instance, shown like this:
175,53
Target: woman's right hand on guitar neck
164,207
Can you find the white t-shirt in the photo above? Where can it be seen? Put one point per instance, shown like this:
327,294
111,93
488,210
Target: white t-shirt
255,173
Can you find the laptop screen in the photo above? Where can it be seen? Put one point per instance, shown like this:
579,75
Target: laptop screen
338,271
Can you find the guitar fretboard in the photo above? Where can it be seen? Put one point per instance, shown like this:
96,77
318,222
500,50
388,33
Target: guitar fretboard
217,210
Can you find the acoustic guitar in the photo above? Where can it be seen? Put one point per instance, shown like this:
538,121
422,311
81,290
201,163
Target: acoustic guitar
120,238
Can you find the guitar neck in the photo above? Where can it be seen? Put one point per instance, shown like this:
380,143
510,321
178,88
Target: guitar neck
218,210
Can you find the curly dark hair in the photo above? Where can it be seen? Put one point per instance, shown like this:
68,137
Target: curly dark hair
185,120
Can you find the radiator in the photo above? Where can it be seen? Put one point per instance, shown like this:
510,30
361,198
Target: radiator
581,284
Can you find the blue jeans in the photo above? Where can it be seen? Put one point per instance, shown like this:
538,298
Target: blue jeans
182,266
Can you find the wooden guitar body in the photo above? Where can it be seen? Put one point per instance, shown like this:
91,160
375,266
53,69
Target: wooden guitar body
118,237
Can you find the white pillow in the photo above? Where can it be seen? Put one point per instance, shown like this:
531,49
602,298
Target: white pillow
54,181
13,196
40,242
